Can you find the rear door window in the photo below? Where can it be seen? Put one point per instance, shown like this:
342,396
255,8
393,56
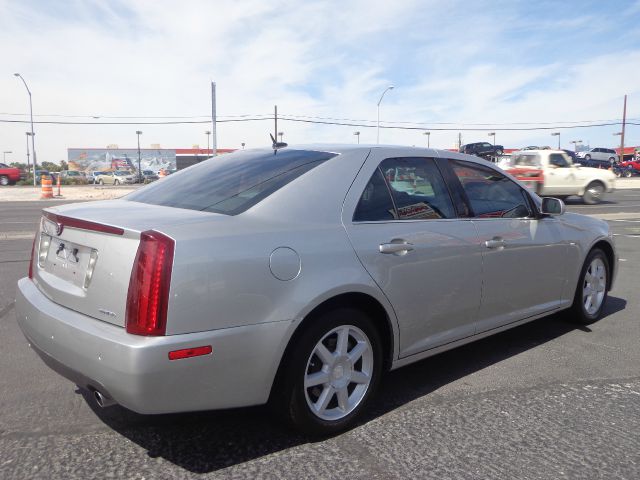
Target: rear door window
405,189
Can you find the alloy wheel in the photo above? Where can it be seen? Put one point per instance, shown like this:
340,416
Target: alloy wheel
594,286
338,372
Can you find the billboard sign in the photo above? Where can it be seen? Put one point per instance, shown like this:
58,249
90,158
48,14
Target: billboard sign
107,159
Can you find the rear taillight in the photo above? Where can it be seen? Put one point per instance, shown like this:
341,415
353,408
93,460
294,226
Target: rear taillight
33,250
148,297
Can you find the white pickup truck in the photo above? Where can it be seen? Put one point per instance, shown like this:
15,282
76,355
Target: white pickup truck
562,177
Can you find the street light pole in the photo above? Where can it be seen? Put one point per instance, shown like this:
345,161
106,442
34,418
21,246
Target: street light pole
28,162
4,155
428,134
357,134
208,133
138,133
33,135
575,144
557,134
390,87
281,134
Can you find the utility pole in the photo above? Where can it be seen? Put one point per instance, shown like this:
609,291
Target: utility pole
624,122
28,164
214,145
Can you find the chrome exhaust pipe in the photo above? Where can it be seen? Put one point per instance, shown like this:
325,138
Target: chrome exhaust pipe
101,400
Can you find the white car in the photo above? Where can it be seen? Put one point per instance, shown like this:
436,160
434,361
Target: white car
562,177
601,154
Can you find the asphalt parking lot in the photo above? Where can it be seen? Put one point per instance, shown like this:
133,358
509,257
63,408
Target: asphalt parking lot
545,400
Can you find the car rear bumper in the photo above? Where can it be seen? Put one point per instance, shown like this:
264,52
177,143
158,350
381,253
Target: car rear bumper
136,372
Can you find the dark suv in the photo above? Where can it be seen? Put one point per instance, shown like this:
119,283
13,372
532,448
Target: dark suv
482,149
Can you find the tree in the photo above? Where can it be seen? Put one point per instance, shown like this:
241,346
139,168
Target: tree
50,166
64,165
22,166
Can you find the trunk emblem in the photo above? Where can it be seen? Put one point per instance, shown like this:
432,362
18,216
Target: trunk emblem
106,312
52,228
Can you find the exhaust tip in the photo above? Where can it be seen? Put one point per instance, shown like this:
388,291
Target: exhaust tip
101,400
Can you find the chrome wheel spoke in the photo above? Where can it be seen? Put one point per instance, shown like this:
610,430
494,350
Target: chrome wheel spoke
359,377
343,398
325,355
343,341
324,399
357,352
317,378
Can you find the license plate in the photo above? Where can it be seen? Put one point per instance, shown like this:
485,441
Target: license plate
68,260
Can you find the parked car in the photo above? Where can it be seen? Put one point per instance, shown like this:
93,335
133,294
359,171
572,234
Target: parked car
563,178
93,176
117,177
482,149
72,174
300,280
572,155
46,173
149,176
10,175
598,157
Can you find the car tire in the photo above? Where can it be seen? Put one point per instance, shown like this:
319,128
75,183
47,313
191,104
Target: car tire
325,395
499,152
593,193
592,289
587,157
100,182
116,182
628,173
4,180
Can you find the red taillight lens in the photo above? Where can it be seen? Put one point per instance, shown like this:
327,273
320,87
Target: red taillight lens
148,297
190,352
33,249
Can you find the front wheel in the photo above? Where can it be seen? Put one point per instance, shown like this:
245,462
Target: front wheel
331,373
628,173
4,181
593,193
591,292
587,157
100,182
116,182
499,152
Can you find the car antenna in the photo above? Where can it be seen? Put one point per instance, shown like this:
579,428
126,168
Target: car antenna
276,145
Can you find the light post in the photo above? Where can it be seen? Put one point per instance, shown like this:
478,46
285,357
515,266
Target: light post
281,134
4,155
208,133
28,164
575,144
242,145
33,135
557,134
357,134
428,134
138,133
493,134
390,87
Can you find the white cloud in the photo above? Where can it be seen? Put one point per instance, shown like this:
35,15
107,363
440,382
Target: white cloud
450,62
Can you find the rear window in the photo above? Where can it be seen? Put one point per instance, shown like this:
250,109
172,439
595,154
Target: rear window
230,183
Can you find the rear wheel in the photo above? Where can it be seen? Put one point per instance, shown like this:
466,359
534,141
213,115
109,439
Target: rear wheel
591,292
4,180
593,193
499,151
116,182
587,157
331,373
628,173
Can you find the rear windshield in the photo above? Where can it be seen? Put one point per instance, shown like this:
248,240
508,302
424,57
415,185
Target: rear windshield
230,183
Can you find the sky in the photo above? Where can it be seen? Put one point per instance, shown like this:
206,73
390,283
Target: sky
492,66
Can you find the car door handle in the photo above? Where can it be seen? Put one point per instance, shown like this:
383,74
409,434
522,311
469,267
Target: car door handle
495,242
398,248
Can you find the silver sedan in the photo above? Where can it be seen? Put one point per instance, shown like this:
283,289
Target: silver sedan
298,276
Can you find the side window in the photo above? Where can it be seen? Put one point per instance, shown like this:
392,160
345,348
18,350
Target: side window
491,194
558,160
405,189
418,189
375,204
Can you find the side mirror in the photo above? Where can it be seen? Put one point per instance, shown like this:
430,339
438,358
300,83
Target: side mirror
552,206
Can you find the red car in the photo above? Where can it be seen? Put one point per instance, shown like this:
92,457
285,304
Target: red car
10,175
631,163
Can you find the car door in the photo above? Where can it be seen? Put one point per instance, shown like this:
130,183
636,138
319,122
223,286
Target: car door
560,178
524,258
401,221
